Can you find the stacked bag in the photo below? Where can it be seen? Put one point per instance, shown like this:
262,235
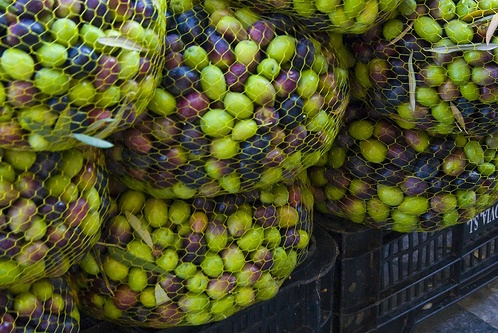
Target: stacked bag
388,176
243,103
417,152
163,263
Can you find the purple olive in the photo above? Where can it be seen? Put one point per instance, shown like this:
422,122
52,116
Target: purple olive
413,186
82,61
173,286
21,94
262,257
9,246
236,76
218,49
25,34
193,247
168,314
52,209
96,12
290,238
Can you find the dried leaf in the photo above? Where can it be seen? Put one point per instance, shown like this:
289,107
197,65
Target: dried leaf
463,47
477,13
412,85
136,224
491,28
122,42
458,117
160,295
427,306
92,141
402,34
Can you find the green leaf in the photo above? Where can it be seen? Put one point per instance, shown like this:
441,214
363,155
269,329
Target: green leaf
99,123
463,47
122,42
129,259
92,141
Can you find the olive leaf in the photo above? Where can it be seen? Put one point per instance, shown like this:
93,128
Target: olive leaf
396,117
402,34
462,47
136,224
412,85
458,117
491,28
129,259
478,13
160,295
122,42
482,20
106,131
92,141
98,260
7,6
97,124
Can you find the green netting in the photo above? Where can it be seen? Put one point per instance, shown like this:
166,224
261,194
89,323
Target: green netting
163,263
386,175
73,70
243,103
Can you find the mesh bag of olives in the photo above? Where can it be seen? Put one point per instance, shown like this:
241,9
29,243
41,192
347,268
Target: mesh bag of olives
242,105
52,205
385,175
73,71
46,305
434,65
341,16
175,262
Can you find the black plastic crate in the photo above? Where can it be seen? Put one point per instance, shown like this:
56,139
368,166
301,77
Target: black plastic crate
387,281
303,304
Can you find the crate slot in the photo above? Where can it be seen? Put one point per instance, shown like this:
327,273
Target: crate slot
403,300
413,253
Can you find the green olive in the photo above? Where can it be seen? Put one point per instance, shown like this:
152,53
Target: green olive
459,32
428,28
